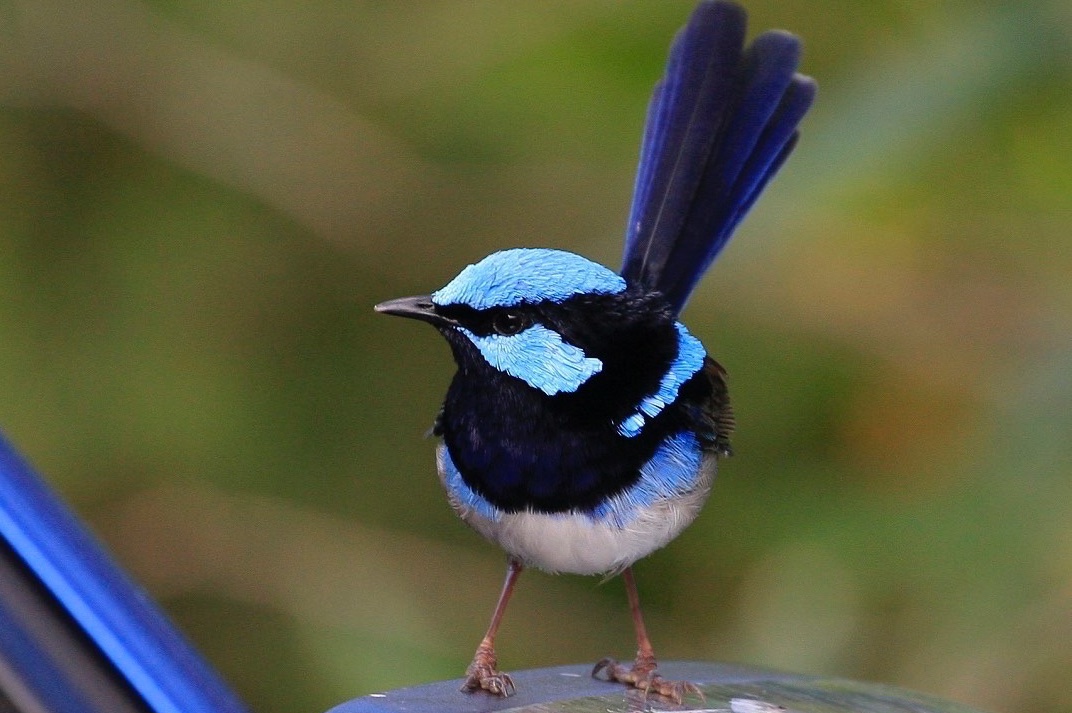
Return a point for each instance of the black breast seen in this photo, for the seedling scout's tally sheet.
(522, 449)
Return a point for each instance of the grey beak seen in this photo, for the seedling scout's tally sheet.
(419, 307)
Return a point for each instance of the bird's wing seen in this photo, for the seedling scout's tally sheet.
(720, 124)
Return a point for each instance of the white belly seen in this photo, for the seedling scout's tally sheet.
(580, 543)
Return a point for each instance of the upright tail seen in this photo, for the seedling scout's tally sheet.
(720, 124)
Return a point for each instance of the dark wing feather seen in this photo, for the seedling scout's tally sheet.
(720, 124)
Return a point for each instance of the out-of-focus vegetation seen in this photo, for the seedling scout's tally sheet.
(200, 202)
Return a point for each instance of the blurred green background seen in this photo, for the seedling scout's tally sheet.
(200, 201)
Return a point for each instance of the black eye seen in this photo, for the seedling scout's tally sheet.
(509, 323)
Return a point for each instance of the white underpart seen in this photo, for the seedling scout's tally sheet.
(575, 543)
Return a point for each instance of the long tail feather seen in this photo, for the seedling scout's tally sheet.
(720, 124)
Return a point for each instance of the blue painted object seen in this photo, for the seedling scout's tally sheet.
(76, 634)
(726, 689)
(582, 428)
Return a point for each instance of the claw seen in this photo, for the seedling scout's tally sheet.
(603, 663)
(641, 675)
(485, 678)
(483, 675)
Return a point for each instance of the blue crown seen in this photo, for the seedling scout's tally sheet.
(527, 275)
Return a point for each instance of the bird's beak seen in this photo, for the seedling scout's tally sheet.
(420, 307)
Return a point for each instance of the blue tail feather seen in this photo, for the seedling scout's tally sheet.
(683, 125)
(719, 126)
(778, 140)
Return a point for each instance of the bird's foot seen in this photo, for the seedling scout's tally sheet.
(642, 676)
(482, 674)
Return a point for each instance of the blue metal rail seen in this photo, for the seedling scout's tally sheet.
(76, 634)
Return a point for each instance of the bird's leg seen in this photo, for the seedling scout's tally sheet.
(642, 674)
(482, 672)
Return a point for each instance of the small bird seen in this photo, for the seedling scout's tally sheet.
(582, 428)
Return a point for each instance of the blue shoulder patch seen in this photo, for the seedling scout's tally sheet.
(673, 470)
(512, 277)
(539, 357)
(689, 360)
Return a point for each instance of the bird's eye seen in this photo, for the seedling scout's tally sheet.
(508, 323)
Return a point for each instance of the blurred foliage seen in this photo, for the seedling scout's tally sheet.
(200, 201)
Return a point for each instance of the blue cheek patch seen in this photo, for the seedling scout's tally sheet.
(673, 470)
(539, 357)
(689, 360)
(527, 275)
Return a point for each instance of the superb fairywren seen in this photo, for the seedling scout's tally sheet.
(582, 428)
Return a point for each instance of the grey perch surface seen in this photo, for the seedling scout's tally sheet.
(728, 689)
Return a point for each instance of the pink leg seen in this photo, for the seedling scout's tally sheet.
(642, 674)
(482, 672)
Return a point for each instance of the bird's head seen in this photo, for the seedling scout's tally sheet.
(551, 319)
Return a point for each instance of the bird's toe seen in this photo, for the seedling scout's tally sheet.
(485, 677)
(642, 676)
(674, 690)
